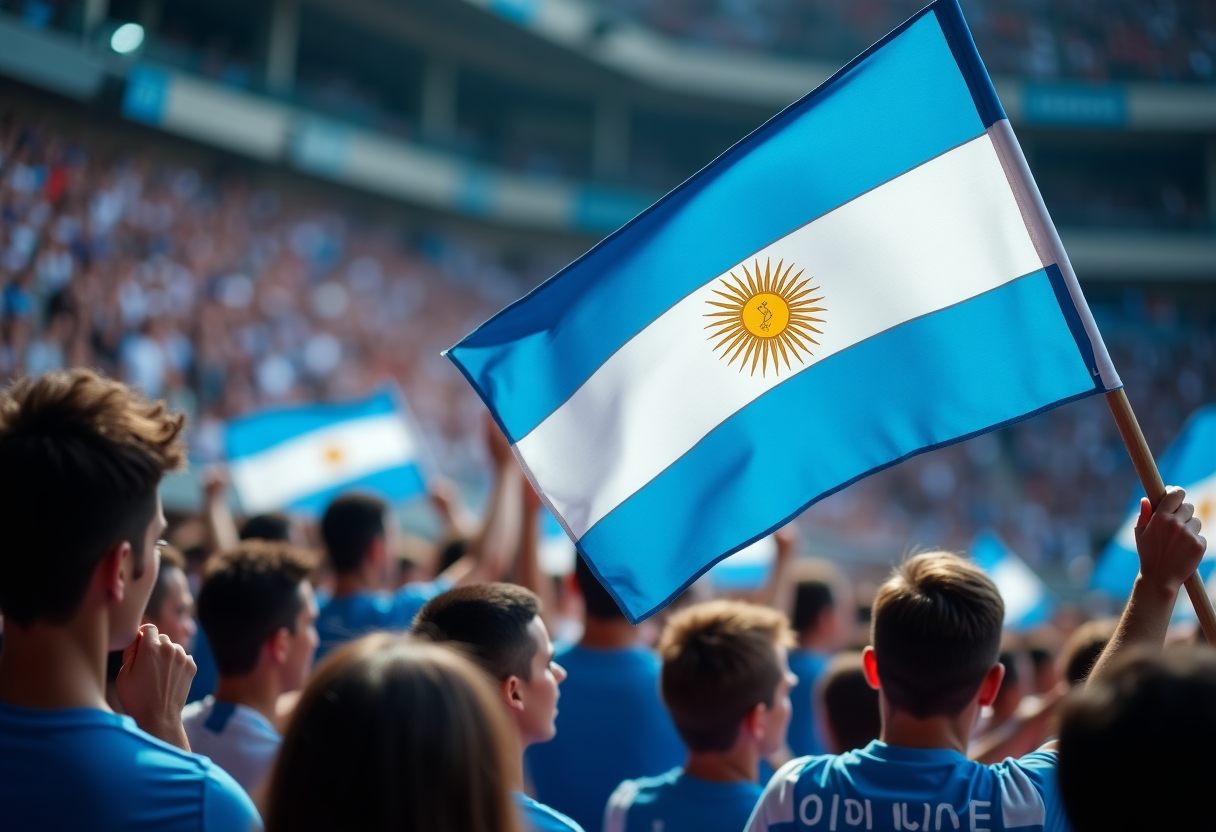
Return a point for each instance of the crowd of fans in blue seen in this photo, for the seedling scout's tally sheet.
(474, 692)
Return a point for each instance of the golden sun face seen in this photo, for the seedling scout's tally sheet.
(765, 318)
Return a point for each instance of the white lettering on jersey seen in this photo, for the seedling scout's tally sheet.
(946, 807)
(974, 811)
(806, 801)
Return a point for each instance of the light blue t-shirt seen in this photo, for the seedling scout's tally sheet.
(342, 619)
(83, 768)
(885, 787)
(540, 818)
(805, 735)
(611, 726)
(677, 802)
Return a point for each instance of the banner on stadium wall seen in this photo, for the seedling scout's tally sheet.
(1191, 463)
(301, 457)
(869, 275)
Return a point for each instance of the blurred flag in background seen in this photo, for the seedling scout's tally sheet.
(1028, 603)
(300, 458)
(1191, 463)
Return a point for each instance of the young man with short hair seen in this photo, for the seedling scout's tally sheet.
(82, 457)
(359, 538)
(612, 724)
(171, 604)
(935, 641)
(258, 611)
(499, 626)
(817, 628)
(726, 681)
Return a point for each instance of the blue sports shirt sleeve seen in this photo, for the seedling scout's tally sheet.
(226, 807)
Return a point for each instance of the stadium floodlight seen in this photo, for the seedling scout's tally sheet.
(127, 38)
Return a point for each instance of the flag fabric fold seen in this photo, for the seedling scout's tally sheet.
(301, 457)
(1028, 601)
(869, 275)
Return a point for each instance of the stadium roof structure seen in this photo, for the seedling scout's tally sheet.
(574, 49)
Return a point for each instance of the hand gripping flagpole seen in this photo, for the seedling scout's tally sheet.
(1154, 488)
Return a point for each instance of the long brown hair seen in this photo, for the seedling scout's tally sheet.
(393, 734)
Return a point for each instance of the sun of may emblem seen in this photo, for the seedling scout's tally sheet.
(764, 318)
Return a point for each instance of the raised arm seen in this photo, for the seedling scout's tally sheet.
(528, 573)
(221, 528)
(490, 552)
(1170, 548)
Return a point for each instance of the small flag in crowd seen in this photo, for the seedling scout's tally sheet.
(1191, 463)
(300, 458)
(1028, 602)
(747, 569)
(869, 275)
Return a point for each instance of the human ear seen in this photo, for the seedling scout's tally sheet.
(991, 685)
(279, 645)
(753, 720)
(509, 689)
(869, 664)
(110, 572)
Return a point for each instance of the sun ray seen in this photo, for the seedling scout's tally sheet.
(766, 316)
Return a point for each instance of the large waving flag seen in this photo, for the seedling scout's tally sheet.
(300, 458)
(1190, 462)
(869, 275)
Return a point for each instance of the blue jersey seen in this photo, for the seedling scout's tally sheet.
(676, 802)
(83, 768)
(611, 726)
(805, 735)
(540, 818)
(343, 619)
(886, 787)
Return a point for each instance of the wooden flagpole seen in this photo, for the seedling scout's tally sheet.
(1154, 488)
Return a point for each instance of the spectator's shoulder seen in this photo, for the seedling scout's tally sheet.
(778, 803)
(544, 818)
(226, 806)
(1028, 791)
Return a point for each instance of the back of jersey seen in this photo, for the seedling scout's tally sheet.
(911, 790)
(611, 726)
(81, 768)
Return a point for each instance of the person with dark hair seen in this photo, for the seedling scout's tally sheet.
(726, 681)
(1083, 648)
(258, 611)
(171, 605)
(80, 518)
(933, 657)
(849, 706)
(816, 625)
(1147, 706)
(499, 627)
(359, 538)
(275, 525)
(612, 725)
(391, 734)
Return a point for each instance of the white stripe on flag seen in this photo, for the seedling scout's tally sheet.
(938, 235)
(321, 459)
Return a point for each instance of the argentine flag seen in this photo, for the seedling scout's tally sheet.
(1028, 602)
(869, 275)
(300, 458)
(1190, 462)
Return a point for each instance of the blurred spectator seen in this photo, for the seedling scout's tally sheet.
(171, 604)
(850, 705)
(391, 734)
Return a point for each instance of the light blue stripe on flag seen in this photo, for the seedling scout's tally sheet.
(880, 276)
(301, 457)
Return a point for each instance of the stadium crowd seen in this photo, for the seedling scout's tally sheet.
(478, 694)
(1113, 40)
(223, 298)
